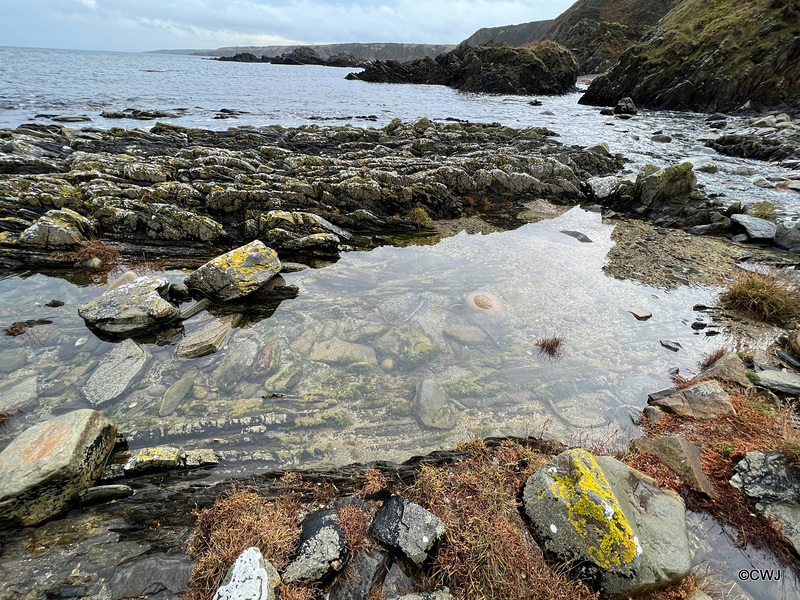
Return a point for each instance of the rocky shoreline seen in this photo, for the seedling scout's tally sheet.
(280, 195)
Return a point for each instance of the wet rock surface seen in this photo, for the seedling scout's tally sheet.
(773, 485)
(115, 373)
(47, 465)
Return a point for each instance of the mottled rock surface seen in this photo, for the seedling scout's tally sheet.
(407, 527)
(44, 468)
(116, 371)
(432, 406)
(323, 549)
(251, 577)
(704, 400)
(237, 273)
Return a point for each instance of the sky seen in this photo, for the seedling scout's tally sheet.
(134, 25)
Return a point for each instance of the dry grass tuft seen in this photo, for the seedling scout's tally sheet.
(711, 357)
(97, 248)
(354, 523)
(375, 482)
(487, 551)
(770, 297)
(236, 522)
(552, 346)
(147, 266)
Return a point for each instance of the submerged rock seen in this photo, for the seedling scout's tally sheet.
(44, 468)
(116, 371)
(432, 407)
(336, 351)
(237, 273)
(407, 345)
(208, 339)
(131, 309)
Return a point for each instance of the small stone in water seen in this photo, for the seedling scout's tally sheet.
(674, 346)
(640, 313)
(54, 303)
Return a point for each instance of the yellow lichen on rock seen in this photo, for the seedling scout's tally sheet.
(594, 511)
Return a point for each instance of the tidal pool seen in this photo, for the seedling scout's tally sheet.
(331, 376)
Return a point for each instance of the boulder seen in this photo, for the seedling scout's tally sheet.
(729, 367)
(116, 371)
(131, 309)
(773, 485)
(57, 229)
(237, 273)
(756, 229)
(787, 236)
(365, 571)
(44, 468)
(155, 576)
(780, 381)
(622, 532)
(250, 578)
(405, 526)
(704, 400)
(625, 106)
(432, 407)
(323, 549)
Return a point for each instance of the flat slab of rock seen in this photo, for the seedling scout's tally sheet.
(641, 314)
(704, 400)
(149, 577)
(757, 229)
(681, 456)
(729, 367)
(115, 372)
(251, 577)
(469, 335)
(44, 468)
(208, 339)
(406, 526)
(780, 381)
(323, 549)
(237, 273)
(336, 352)
(18, 393)
(432, 406)
(133, 308)
(175, 394)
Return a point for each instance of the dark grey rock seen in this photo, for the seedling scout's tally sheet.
(103, 493)
(365, 570)
(250, 578)
(405, 526)
(773, 485)
(780, 381)
(787, 236)
(581, 237)
(323, 549)
(442, 593)
(704, 400)
(151, 577)
(757, 229)
(625, 106)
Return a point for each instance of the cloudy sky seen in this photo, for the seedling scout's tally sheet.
(156, 24)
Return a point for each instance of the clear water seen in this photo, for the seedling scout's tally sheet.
(313, 407)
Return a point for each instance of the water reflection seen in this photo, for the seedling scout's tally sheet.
(331, 376)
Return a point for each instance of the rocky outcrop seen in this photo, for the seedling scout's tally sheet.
(706, 56)
(46, 466)
(302, 55)
(495, 68)
(598, 31)
(57, 229)
(622, 532)
(374, 51)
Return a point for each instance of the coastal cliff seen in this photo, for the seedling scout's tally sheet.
(711, 56)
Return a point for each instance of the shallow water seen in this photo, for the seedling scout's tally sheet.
(276, 395)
